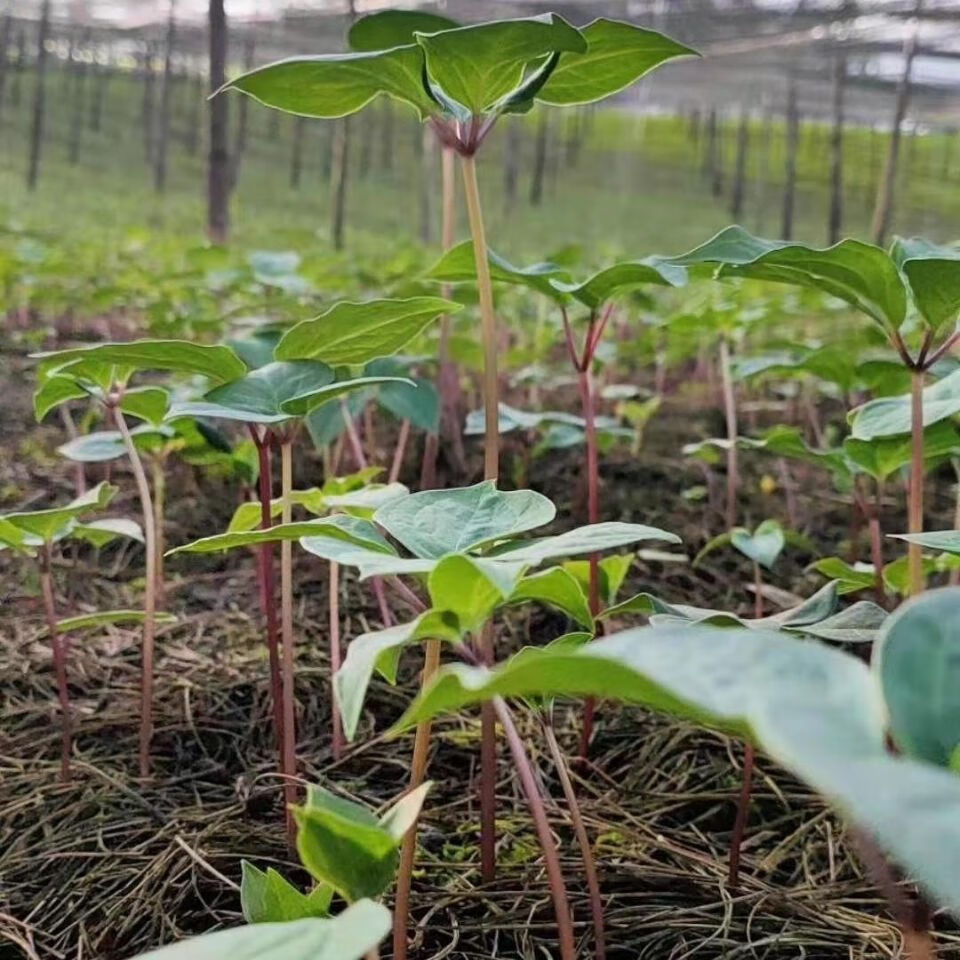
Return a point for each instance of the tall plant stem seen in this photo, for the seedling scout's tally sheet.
(399, 451)
(580, 829)
(286, 628)
(58, 645)
(159, 478)
(491, 470)
(740, 824)
(876, 545)
(149, 592)
(267, 587)
(488, 320)
(408, 853)
(757, 591)
(730, 412)
(915, 551)
(551, 861)
(334, 608)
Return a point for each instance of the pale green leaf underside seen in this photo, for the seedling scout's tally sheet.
(891, 416)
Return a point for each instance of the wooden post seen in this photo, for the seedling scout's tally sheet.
(740, 168)
(835, 224)
(340, 166)
(539, 159)
(21, 63)
(296, 157)
(218, 166)
(39, 98)
(101, 78)
(883, 206)
(790, 170)
(79, 71)
(146, 105)
(163, 119)
(243, 104)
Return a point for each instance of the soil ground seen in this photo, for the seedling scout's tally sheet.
(107, 866)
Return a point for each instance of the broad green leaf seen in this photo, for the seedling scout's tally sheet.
(458, 265)
(343, 845)
(146, 403)
(612, 572)
(617, 55)
(54, 391)
(855, 272)
(849, 577)
(355, 333)
(622, 277)
(883, 456)
(102, 532)
(420, 403)
(511, 418)
(218, 363)
(394, 28)
(592, 538)
(269, 898)
(104, 445)
(380, 651)
(918, 662)
(470, 589)
(946, 540)
(558, 588)
(370, 562)
(890, 416)
(268, 390)
(348, 936)
(933, 273)
(351, 530)
(433, 523)
(303, 405)
(479, 65)
(336, 85)
(763, 546)
(256, 350)
(858, 623)
(45, 524)
(109, 618)
(217, 411)
(12, 537)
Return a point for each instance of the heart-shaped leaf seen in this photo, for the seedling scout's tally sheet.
(891, 416)
(433, 523)
(266, 390)
(763, 546)
(933, 273)
(348, 936)
(558, 588)
(394, 28)
(470, 588)
(356, 333)
(336, 85)
(591, 538)
(621, 277)
(617, 55)
(918, 661)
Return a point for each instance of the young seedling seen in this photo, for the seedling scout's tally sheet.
(466, 543)
(35, 534)
(103, 371)
(879, 284)
(461, 81)
(818, 712)
(598, 294)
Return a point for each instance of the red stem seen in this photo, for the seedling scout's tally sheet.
(551, 861)
(488, 772)
(740, 824)
(583, 840)
(58, 645)
(399, 451)
(334, 608)
(915, 551)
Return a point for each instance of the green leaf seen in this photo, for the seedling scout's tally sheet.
(46, 524)
(146, 403)
(859, 623)
(108, 618)
(612, 572)
(481, 64)
(558, 588)
(402, 816)
(918, 662)
(13, 538)
(617, 55)
(348, 936)
(370, 562)
(591, 538)
(470, 588)
(102, 532)
(394, 28)
(104, 445)
(268, 390)
(933, 273)
(458, 265)
(380, 651)
(351, 530)
(53, 391)
(356, 333)
(763, 546)
(947, 541)
(420, 403)
(850, 578)
(343, 845)
(303, 405)
(269, 898)
(857, 273)
(336, 85)
(621, 277)
(433, 523)
(218, 363)
(890, 416)
(883, 456)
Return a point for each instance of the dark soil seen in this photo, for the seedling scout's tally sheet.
(108, 866)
